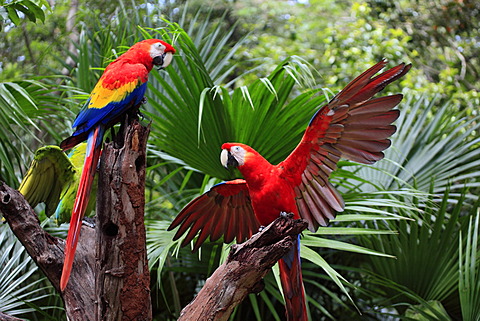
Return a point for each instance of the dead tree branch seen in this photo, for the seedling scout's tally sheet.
(48, 252)
(6, 317)
(243, 271)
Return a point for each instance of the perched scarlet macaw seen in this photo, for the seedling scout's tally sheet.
(120, 89)
(353, 125)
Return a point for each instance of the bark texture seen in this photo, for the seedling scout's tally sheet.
(243, 271)
(123, 279)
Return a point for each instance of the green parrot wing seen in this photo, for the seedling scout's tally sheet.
(50, 172)
(63, 213)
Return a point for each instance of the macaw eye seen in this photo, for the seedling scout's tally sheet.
(236, 148)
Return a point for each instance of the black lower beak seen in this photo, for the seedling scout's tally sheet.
(159, 60)
(231, 162)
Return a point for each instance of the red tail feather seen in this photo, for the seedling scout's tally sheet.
(292, 284)
(81, 201)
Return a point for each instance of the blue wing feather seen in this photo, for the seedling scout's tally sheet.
(88, 118)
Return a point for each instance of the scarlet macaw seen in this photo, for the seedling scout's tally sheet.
(353, 125)
(120, 89)
(53, 179)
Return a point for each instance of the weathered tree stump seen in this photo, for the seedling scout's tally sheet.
(123, 278)
(110, 278)
(243, 271)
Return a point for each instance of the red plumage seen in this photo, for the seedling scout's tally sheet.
(353, 125)
(292, 284)
(120, 89)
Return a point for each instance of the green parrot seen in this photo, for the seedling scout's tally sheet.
(53, 179)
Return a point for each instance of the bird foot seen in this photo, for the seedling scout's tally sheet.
(286, 215)
(141, 115)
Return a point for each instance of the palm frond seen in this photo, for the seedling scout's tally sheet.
(469, 270)
(19, 285)
(426, 252)
(188, 96)
(24, 106)
(440, 146)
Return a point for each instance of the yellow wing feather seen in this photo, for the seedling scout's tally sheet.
(102, 96)
(46, 178)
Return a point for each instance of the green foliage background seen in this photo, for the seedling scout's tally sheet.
(255, 71)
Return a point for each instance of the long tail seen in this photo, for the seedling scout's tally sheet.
(292, 284)
(94, 144)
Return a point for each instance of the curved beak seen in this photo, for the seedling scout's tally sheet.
(163, 61)
(228, 159)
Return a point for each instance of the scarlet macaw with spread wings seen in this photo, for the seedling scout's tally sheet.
(353, 125)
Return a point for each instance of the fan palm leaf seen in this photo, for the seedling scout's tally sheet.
(469, 270)
(438, 146)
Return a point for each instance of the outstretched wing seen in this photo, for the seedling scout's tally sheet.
(49, 173)
(224, 210)
(353, 125)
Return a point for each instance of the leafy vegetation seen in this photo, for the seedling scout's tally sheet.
(13, 10)
(406, 244)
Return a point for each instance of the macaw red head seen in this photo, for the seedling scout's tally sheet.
(250, 163)
(236, 154)
(152, 52)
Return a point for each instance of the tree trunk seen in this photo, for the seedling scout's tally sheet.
(110, 278)
(123, 278)
(72, 31)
